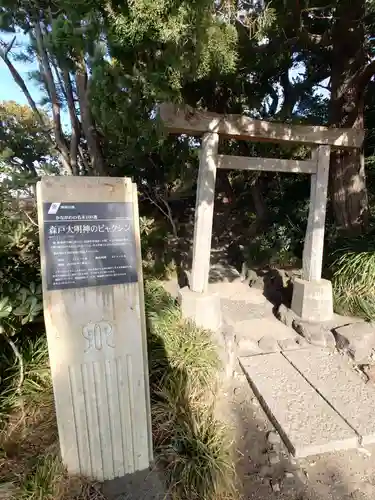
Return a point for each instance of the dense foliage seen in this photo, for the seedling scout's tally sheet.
(103, 67)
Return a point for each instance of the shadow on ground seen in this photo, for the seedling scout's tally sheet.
(264, 475)
(264, 470)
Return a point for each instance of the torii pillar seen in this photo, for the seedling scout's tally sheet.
(312, 295)
(195, 302)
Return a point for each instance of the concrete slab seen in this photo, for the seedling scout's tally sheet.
(341, 386)
(234, 311)
(237, 291)
(289, 344)
(307, 424)
(247, 347)
(257, 328)
(269, 344)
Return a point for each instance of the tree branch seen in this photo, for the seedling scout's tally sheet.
(30, 219)
(9, 48)
(20, 82)
(85, 163)
(158, 204)
(59, 78)
(76, 127)
(51, 89)
(88, 126)
(272, 107)
(367, 73)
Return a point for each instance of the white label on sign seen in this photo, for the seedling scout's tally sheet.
(54, 208)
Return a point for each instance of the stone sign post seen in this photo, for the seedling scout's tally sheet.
(95, 321)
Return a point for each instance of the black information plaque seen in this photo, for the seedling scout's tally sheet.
(89, 244)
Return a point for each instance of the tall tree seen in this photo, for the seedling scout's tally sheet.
(333, 42)
(64, 75)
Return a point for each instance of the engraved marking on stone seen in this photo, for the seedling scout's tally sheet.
(98, 335)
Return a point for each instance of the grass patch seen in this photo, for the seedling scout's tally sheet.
(30, 465)
(45, 480)
(354, 284)
(177, 346)
(192, 447)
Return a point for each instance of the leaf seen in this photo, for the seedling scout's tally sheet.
(21, 310)
(16, 287)
(25, 320)
(24, 293)
(5, 307)
(32, 301)
(35, 309)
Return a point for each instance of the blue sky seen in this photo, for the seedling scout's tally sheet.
(9, 90)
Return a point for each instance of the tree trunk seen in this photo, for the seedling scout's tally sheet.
(89, 130)
(347, 176)
(49, 82)
(348, 190)
(260, 208)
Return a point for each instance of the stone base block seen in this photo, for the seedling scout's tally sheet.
(141, 485)
(202, 308)
(313, 300)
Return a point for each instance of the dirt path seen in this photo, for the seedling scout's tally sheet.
(267, 472)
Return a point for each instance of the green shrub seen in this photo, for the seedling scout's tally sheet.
(20, 280)
(175, 345)
(354, 284)
(156, 249)
(198, 458)
(274, 246)
(191, 445)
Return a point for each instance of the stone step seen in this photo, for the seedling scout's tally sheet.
(238, 291)
(257, 328)
(263, 335)
(305, 421)
(344, 389)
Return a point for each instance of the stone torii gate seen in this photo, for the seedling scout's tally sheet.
(312, 296)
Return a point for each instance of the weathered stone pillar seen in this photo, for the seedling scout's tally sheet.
(312, 296)
(204, 210)
(314, 241)
(196, 304)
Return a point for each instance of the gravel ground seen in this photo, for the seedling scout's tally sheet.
(266, 471)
